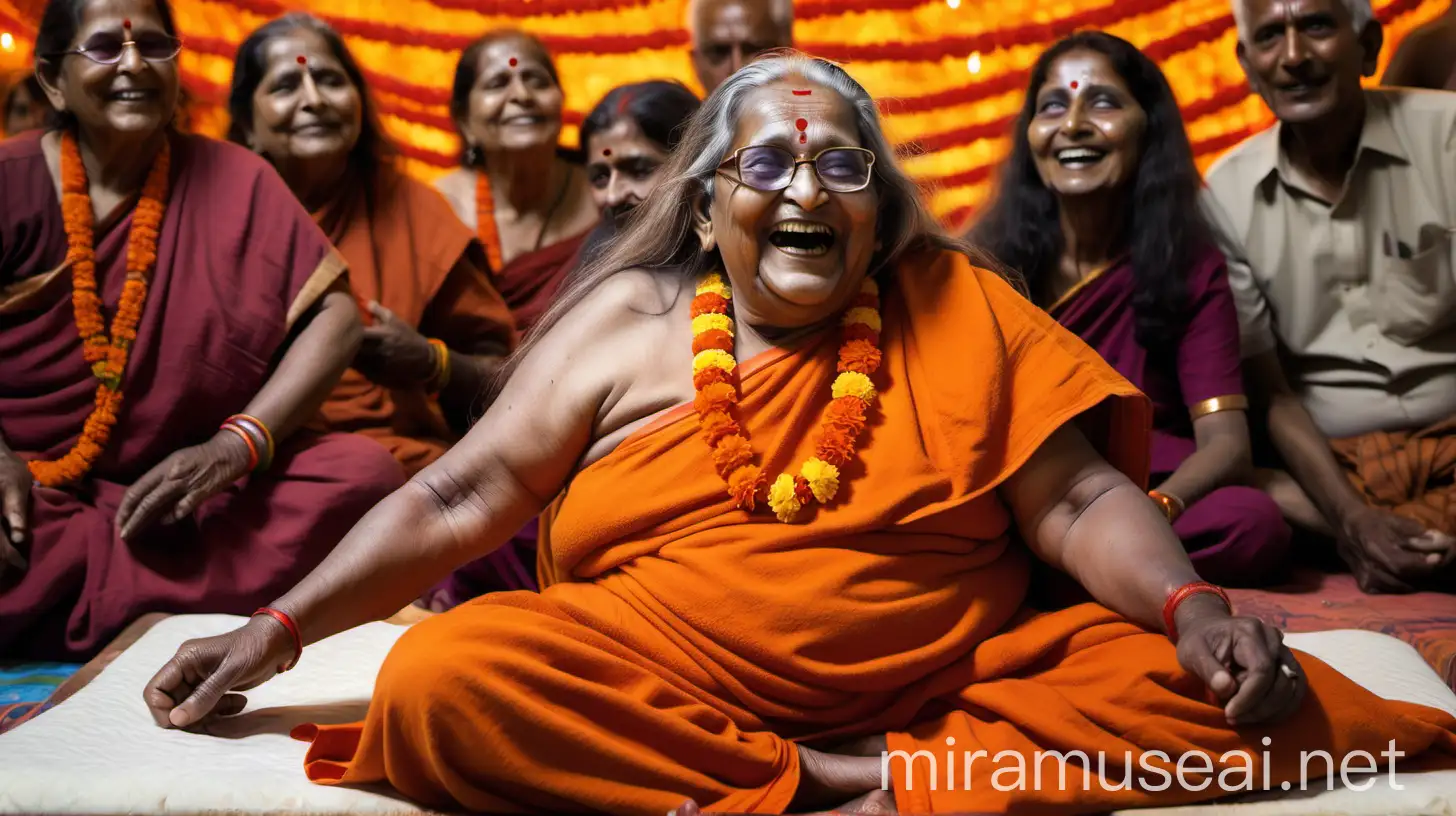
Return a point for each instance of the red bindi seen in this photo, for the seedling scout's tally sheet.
(126, 24)
(798, 92)
(1074, 84)
(801, 124)
(302, 60)
(513, 62)
(607, 152)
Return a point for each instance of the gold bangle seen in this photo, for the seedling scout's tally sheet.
(1171, 505)
(1212, 405)
(442, 366)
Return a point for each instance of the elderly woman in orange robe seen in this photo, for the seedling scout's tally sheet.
(438, 327)
(809, 453)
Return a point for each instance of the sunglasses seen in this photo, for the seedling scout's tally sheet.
(769, 168)
(106, 49)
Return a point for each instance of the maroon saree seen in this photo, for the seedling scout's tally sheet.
(239, 262)
(1235, 534)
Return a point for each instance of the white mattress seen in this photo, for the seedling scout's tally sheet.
(100, 753)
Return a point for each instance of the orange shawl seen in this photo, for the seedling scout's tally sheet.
(407, 250)
(685, 644)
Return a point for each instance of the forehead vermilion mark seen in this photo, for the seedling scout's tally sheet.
(514, 62)
(607, 151)
(801, 124)
(126, 24)
(1074, 84)
(302, 60)
(798, 92)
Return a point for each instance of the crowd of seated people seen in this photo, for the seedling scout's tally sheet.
(802, 453)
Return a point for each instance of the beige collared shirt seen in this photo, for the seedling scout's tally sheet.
(1360, 292)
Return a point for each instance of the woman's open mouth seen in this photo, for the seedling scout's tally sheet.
(805, 238)
(1077, 158)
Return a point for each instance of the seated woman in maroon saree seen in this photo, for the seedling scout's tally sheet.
(1098, 210)
(151, 505)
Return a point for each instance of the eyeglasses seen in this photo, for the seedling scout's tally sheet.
(107, 49)
(769, 168)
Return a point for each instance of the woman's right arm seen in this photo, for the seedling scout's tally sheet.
(515, 460)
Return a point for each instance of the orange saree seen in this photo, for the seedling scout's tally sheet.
(682, 646)
(407, 251)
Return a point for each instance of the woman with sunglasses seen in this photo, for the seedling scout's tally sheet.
(806, 452)
(170, 316)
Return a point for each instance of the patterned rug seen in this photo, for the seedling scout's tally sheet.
(25, 689)
(1313, 601)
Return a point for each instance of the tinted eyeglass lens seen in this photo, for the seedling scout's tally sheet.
(765, 168)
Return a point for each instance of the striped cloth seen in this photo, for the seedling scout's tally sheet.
(1412, 473)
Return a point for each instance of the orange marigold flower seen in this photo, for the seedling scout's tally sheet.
(857, 355)
(709, 303)
(718, 425)
(836, 447)
(865, 301)
(731, 454)
(708, 376)
(859, 331)
(746, 484)
(847, 413)
(713, 339)
(716, 397)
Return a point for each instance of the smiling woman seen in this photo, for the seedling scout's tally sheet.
(158, 359)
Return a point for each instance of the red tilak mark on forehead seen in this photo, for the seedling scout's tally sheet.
(798, 92)
(302, 60)
(513, 62)
(607, 152)
(126, 24)
(801, 124)
(1074, 84)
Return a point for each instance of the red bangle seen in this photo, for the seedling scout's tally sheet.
(1183, 593)
(292, 630)
(247, 440)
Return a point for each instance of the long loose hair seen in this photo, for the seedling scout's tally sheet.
(1166, 230)
(659, 232)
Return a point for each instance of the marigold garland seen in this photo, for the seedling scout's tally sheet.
(485, 226)
(106, 355)
(716, 399)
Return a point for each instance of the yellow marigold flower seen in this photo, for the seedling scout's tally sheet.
(823, 479)
(853, 384)
(782, 499)
(869, 287)
(864, 315)
(714, 283)
(708, 322)
(715, 358)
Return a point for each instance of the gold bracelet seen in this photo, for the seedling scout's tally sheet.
(1171, 505)
(1212, 405)
(441, 357)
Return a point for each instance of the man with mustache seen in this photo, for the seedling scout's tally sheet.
(1343, 213)
(729, 34)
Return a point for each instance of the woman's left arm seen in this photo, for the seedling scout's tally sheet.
(324, 341)
(1210, 376)
(1081, 515)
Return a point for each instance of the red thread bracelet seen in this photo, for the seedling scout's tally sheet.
(1183, 593)
(292, 630)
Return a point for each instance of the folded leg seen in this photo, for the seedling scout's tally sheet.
(1236, 536)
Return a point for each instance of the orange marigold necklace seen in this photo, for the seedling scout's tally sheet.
(717, 397)
(106, 355)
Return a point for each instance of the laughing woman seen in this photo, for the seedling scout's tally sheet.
(530, 206)
(1098, 209)
(438, 327)
(157, 356)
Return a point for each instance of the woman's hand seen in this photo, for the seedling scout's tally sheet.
(1243, 660)
(196, 684)
(393, 354)
(15, 484)
(179, 484)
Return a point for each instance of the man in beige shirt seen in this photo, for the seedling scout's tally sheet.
(729, 34)
(1338, 223)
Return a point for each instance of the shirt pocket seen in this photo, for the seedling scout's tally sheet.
(1416, 296)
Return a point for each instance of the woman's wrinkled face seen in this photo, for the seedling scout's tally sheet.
(305, 107)
(1087, 133)
(514, 104)
(795, 256)
(622, 166)
(137, 94)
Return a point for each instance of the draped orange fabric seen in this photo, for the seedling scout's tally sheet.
(1412, 473)
(684, 645)
(407, 250)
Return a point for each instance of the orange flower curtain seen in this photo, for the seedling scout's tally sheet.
(949, 73)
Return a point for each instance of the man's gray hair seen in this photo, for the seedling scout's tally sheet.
(781, 11)
(1361, 13)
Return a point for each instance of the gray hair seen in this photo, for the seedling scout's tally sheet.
(1361, 13)
(659, 233)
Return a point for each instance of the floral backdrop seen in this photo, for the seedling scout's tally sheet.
(949, 74)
